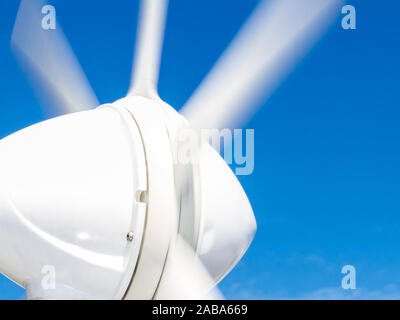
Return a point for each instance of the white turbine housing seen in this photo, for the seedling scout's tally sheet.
(68, 192)
(93, 196)
(227, 221)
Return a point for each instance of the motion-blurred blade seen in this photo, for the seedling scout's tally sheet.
(148, 48)
(49, 61)
(277, 34)
(184, 277)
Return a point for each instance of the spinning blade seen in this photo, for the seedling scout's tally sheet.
(148, 48)
(275, 37)
(46, 56)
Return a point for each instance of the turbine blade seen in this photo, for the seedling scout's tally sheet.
(274, 38)
(148, 48)
(184, 277)
(49, 61)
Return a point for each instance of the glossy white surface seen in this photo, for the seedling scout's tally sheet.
(162, 211)
(68, 199)
(228, 224)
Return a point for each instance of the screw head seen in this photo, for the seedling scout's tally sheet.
(129, 236)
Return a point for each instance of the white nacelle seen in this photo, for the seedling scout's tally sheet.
(68, 191)
(72, 188)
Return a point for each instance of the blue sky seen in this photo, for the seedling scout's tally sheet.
(325, 189)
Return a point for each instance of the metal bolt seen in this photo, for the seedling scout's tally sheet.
(129, 236)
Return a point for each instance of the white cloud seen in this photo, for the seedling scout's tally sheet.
(389, 292)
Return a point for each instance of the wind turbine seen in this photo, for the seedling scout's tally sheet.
(98, 194)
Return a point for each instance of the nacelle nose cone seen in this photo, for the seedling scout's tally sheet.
(67, 200)
(228, 224)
